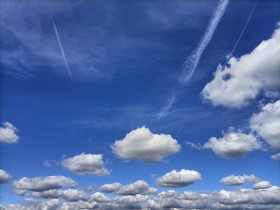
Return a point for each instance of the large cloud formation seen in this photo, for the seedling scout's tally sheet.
(43, 183)
(4, 176)
(267, 124)
(244, 78)
(8, 133)
(141, 144)
(86, 164)
(233, 145)
(239, 180)
(178, 178)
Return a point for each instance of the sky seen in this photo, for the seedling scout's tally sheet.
(140, 104)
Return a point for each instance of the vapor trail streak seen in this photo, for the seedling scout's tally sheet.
(61, 49)
(192, 61)
(244, 28)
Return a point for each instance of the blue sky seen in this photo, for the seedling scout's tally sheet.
(83, 78)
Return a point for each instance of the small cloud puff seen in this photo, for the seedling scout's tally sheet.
(8, 133)
(86, 164)
(141, 144)
(233, 145)
(178, 178)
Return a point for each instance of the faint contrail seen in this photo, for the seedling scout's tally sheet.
(192, 61)
(61, 49)
(242, 32)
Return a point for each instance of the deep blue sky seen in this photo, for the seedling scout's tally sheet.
(126, 58)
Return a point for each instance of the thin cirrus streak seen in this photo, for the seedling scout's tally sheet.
(192, 61)
(61, 49)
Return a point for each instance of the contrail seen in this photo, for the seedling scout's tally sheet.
(243, 30)
(192, 61)
(61, 49)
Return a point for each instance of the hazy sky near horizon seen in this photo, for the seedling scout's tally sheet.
(140, 104)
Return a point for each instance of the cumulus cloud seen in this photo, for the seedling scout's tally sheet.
(276, 156)
(138, 187)
(8, 133)
(109, 188)
(262, 185)
(267, 124)
(233, 145)
(241, 81)
(43, 183)
(178, 178)
(239, 180)
(86, 164)
(69, 195)
(141, 144)
(4, 176)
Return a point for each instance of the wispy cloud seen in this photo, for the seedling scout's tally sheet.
(192, 61)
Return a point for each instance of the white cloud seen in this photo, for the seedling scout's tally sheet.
(233, 145)
(138, 187)
(262, 185)
(239, 180)
(43, 183)
(69, 195)
(4, 176)
(235, 86)
(141, 144)
(86, 164)
(8, 133)
(178, 178)
(108, 188)
(267, 124)
(276, 156)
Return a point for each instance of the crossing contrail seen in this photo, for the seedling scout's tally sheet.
(61, 49)
(192, 61)
(243, 30)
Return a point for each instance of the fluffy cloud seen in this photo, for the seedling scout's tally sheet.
(138, 187)
(109, 188)
(178, 178)
(262, 185)
(239, 180)
(244, 78)
(8, 133)
(267, 124)
(4, 176)
(69, 195)
(43, 183)
(86, 164)
(141, 144)
(233, 145)
(276, 156)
